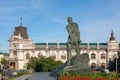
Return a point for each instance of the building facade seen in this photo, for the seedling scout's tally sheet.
(22, 49)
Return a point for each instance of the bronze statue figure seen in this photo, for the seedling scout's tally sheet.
(73, 39)
(79, 62)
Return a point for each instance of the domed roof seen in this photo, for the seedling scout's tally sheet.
(22, 31)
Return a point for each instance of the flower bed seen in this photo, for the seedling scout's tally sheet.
(84, 78)
(90, 76)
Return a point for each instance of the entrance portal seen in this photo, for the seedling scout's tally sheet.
(12, 65)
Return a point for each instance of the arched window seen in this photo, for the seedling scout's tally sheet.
(93, 66)
(103, 65)
(63, 56)
(27, 56)
(102, 56)
(93, 56)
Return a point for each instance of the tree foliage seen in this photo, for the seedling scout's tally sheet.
(32, 63)
(4, 61)
(43, 64)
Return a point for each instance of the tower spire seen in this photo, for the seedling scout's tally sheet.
(112, 36)
(21, 21)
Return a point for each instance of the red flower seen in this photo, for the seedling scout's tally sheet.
(101, 78)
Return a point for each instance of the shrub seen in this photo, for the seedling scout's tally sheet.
(11, 79)
(21, 73)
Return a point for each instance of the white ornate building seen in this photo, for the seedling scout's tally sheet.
(22, 48)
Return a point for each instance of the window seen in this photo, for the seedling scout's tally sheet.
(103, 65)
(93, 66)
(63, 57)
(27, 56)
(93, 56)
(102, 56)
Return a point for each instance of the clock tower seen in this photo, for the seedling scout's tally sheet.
(19, 42)
(112, 48)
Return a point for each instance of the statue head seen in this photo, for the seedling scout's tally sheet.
(69, 19)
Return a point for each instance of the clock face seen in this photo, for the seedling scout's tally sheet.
(112, 46)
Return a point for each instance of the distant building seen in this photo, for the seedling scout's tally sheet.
(22, 49)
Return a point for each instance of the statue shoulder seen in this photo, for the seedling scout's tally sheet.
(68, 26)
(76, 24)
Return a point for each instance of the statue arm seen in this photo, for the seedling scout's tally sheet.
(77, 32)
(69, 31)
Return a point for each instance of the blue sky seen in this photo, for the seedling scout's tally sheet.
(46, 20)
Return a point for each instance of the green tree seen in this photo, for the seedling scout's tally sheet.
(43, 64)
(4, 61)
(32, 63)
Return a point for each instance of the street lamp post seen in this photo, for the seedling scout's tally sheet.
(116, 63)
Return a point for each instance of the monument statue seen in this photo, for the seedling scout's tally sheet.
(74, 63)
(73, 39)
(78, 62)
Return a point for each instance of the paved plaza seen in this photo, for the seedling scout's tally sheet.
(41, 76)
(37, 76)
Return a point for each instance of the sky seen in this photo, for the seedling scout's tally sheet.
(46, 20)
